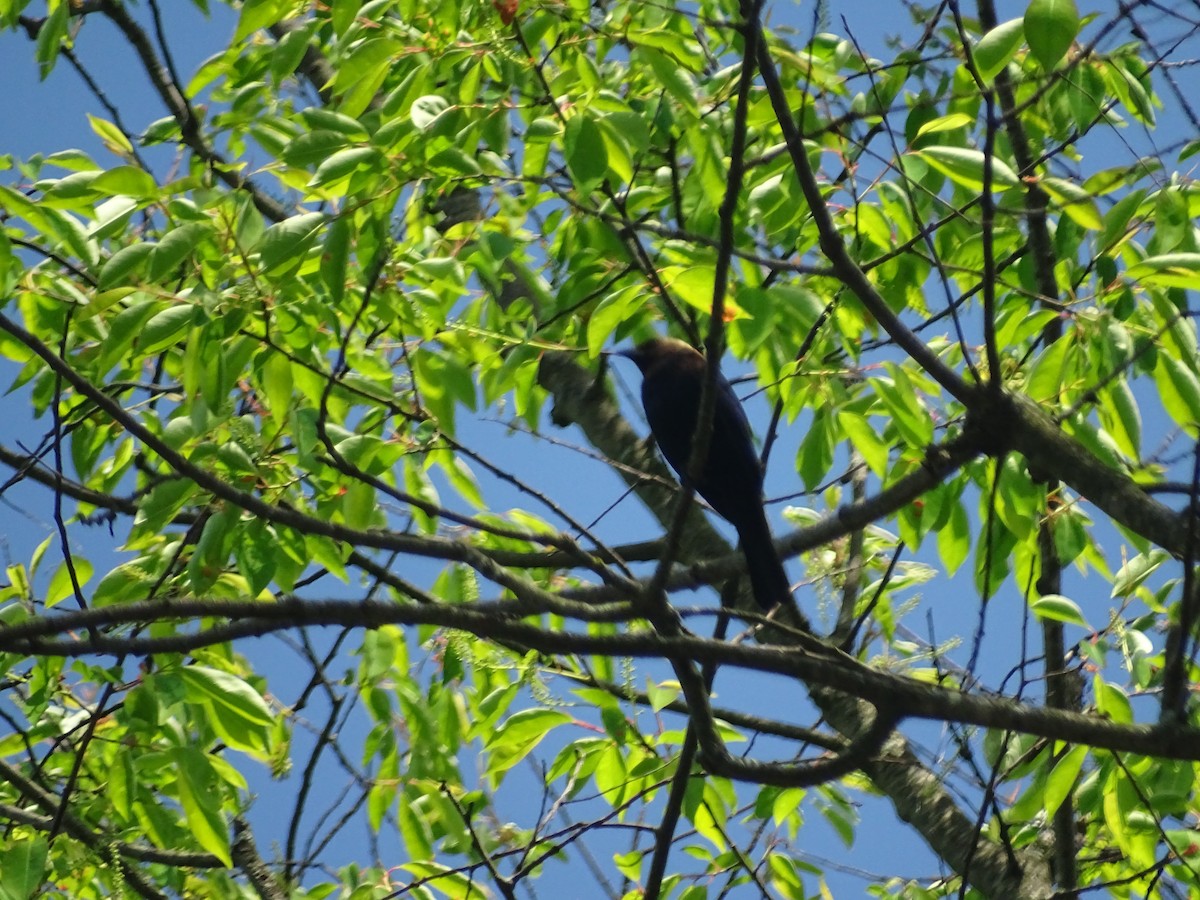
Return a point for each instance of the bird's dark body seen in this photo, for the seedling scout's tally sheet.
(730, 479)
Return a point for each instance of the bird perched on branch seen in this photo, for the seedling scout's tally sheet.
(730, 478)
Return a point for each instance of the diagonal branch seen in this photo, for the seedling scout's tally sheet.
(179, 107)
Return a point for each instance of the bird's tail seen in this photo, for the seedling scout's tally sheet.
(768, 580)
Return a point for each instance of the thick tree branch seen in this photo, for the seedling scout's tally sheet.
(907, 698)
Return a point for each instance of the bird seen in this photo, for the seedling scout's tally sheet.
(731, 476)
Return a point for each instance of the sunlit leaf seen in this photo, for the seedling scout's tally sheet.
(1050, 27)
(965, 167)
(997, 48)
(196, 785)
(228, 691)
(1056, 608)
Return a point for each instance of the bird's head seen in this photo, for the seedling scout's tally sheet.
(649, 355)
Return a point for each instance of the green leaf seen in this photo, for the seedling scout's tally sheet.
(289, 52)
(126, 582)
(1061, 780)
(335, 258)
(360, 505)
(1172, 220)
(237, 460)
(585, 151)
(160, 131)
(23, 865)
(125, 262)
(1112, 702)
(538, 138)
(163, 503)
(630, 864)
(1180, 391)
(1190, 149)
(284, 244)
(197, 786)
(257, 14)
(816, 450)
(61, 587)
(1051, 370)
(360, 74)
(708, 821)
(513, 740)
(693, 285)
(166, 328)
(74, 160)
(453, 161)
(1121, 417)
(129, 181)
(996, 49)
(1136, 571)
(613, 310)
(668, 73)
(662, 694)
(255, 554)
(1021, 326)
(954, 538)
(69, 191)
(342, 14)
(617, 148)
(176, 246)
(451, 882)
(905, 408)
(70, 232)
(1125, 79)
(866, 441)
(227, 691)
(313, 148)
(944, 123)
(318, 118)
(463, 480)
(51, 35)
(344, 163)
(1075, 202)
(122, 786)
(1057, 608)
(1050, 27)
(416, 832)
(1168, 270)
(212, 550)
(113, 137)
(964, 167)
(1180, 338)
(277, 384)
(426, 110)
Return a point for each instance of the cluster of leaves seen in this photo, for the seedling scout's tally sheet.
(268, 361)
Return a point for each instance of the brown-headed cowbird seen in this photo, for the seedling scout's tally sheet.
(731, 477)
